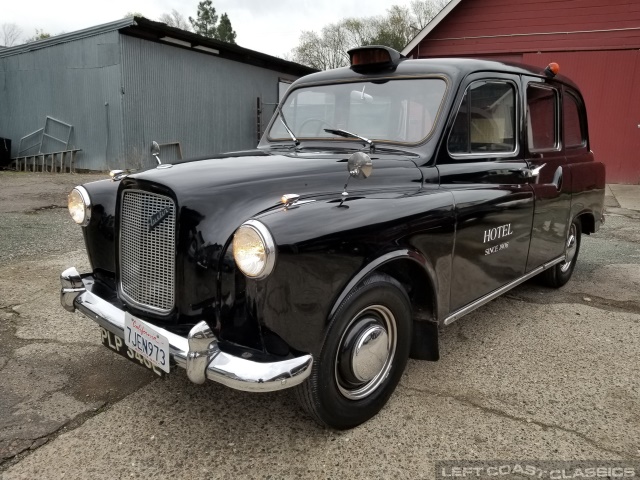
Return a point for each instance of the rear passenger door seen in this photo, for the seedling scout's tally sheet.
(545, 155)
(482, 163)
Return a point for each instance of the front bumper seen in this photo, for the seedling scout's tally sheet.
(199, 353)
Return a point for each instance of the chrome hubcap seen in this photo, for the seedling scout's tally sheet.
(570, 249)
(370, 353)
(366, 352)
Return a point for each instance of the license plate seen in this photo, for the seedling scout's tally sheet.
(115, 343)
(147, 341)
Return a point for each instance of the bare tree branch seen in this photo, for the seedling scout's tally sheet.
(397, 28)
(10, 34)
(175, 19)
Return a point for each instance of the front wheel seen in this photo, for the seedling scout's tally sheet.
(363, 356)
(560, 274)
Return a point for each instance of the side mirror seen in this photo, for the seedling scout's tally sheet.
(155, 151)
(360, 165)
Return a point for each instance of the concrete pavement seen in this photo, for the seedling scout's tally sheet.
(626, 196)
(535, 374)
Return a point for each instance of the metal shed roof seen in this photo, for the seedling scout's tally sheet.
(160, 32)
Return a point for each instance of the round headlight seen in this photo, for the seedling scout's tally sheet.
(254, 249)
(79, 206)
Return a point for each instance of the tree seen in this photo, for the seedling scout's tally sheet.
(40, 35)
(423, 12)
(132, 14)
(225, 31)
(206, 23)
(395, 29)
(10, 34)
(175, 19)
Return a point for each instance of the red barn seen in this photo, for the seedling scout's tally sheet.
(596, 44)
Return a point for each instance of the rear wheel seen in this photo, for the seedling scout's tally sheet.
(560, 274)
(363, 357)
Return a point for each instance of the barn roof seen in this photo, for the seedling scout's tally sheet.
(160, 32)
(435, 21)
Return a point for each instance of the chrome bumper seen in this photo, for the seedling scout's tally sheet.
(199, 353)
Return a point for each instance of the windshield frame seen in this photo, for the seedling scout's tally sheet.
(345, 81)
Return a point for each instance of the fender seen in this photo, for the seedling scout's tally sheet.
(425, 340)
(325, 249)
(587, 191)
(404, 253)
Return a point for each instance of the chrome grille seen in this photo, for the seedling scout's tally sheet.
(147, 251)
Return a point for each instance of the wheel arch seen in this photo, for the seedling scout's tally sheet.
(418, 278)
(587, 221)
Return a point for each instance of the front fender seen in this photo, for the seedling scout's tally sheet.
(325, 249)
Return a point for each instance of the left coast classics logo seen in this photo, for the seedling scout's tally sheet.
(157, 218)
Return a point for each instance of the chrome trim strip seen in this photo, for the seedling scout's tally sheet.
(496, 293)
(200, 354)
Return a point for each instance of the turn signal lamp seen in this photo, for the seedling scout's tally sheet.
(552, 70)
(374, 57)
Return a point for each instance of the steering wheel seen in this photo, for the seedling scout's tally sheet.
(320, 122)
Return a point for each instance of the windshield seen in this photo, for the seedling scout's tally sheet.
(400, 111)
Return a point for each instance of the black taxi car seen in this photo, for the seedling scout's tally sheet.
(384, 201)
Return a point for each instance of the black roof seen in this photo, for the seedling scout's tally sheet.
(455, 68)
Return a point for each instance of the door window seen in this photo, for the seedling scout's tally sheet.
(486, 120)
(542, 118)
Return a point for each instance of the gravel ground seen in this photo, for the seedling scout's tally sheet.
(33, 214)
(536, 374)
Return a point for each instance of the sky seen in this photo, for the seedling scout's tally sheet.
(271, 27)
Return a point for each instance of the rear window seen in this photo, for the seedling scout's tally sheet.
(573, 132)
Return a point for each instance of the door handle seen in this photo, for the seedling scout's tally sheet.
(527, 172)
(534, 172)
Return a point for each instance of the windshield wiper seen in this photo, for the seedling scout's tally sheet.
(286, 127)
(344, 133)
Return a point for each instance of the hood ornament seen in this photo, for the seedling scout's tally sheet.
(289, 199)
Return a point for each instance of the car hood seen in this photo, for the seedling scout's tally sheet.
(227, 191)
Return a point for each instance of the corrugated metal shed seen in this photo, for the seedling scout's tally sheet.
(122, 85)
(596, 44)
(72, 82)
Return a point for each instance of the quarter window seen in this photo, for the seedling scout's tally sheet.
(542, 118)
(486, 119)
(573, 133)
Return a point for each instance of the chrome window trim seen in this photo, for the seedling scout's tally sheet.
(516, 126)
(581, 113)
(558, 126)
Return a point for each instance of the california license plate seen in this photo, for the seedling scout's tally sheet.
(116, 344)
(147, 341)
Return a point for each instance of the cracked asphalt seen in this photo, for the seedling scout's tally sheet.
(537, 374)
